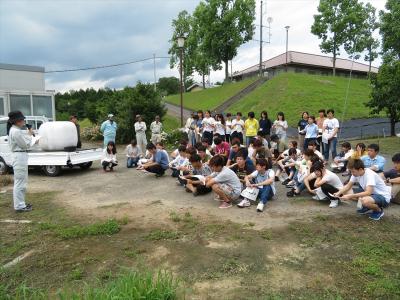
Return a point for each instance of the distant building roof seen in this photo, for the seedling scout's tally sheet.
(300, 58)
(21, 68)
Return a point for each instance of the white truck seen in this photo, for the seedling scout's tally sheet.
(51, 162)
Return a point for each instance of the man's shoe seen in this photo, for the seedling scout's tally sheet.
(25, 209)
(244, 203)
(286, 181)
(225, 205)
(363, 210)
(334, 203)
(260, 207)
(377, 215)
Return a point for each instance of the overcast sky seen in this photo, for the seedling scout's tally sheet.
(72, 34)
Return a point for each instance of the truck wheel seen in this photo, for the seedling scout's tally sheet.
(3, 167)
(52, 171)
(86, 165)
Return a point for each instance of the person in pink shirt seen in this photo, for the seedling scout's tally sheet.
(221, 147)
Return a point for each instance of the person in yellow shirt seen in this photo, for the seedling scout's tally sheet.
(251, 127)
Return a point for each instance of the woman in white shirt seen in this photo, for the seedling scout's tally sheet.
(208, 126)
(220, 125)
(238, 127)
(280, 126)
(109, 159)
(228, 127)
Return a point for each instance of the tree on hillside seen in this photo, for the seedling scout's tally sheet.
(390, 28)
(332, 24)
(182, 26)
(168, 85)
(223, 26)
(371, 44)
(385, 94)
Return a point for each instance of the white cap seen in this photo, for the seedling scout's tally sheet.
(110, 115)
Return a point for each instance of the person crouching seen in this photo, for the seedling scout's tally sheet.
(109, 159)
(159, 163)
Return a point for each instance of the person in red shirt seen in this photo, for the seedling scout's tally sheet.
(221, 147)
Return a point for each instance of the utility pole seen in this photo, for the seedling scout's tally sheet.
(231, 72)
(287, 43)
(155, 78)
(261, 37)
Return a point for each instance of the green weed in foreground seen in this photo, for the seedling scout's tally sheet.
(109, 227)
(159, 235)
(132, 285)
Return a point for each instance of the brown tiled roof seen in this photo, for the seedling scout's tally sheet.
(308, 59)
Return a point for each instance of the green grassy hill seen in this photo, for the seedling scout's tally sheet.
(294, 93)
(210, 98)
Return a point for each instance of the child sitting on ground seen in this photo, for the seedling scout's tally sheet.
(202, 152)
(264, 180)
(179, 161)
(224, 182)
(195, 182)
(159, 162)
(288, 164)
(175, 153)
(109, 159)
(242, 167)
(133, 154)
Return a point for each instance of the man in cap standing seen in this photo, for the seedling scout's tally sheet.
(109, 130)
(140, 129)
(156, 129)
(20, 140)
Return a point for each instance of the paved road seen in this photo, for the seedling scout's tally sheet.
(358, 128)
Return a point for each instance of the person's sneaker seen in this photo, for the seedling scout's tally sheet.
(260, 207)
(334, 203)
(25, 209)
(217, 198)
(286, 181)
(377, 215)
(225, 205)
(315, 197)
(363, 210)
(244, 203)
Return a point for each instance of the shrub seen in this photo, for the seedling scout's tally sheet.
(91, 134)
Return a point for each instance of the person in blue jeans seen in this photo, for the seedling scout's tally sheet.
(132, 154)
(374, 194)
(329, 134)
(263, 179)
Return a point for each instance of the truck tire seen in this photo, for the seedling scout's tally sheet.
(86, 165)
(3, 167)
(52, 171)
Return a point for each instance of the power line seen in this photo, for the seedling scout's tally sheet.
(107, 66)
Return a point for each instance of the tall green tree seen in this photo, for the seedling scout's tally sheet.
(371, 44)
(223, 26)
(385, 94)
(333, 25)
(390, 28)
(182, 27)
(168, 85)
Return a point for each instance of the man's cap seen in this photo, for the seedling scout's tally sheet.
(110, 115)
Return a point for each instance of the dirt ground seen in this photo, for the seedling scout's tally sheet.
(295, 247)
(139, 195)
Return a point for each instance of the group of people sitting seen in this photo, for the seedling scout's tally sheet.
(244, 174)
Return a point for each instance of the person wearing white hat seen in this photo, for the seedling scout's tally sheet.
(20, 141)
(109, 130)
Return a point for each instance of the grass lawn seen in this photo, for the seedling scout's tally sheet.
(325, 257)
(170, 123)
(388, 146)
(294, 93)
(210, 98)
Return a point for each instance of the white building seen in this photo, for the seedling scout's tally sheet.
(22, 88)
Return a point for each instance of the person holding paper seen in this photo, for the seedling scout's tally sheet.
(329, 135)
(20, 141)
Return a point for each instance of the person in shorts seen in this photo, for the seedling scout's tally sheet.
(224, 182)
(392, 177)
(374, 193)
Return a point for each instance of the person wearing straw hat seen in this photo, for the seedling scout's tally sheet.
(109, 130)
(20, 140)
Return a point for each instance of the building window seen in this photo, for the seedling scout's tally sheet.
(42, 106)
(21, 103)
(1, 106)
